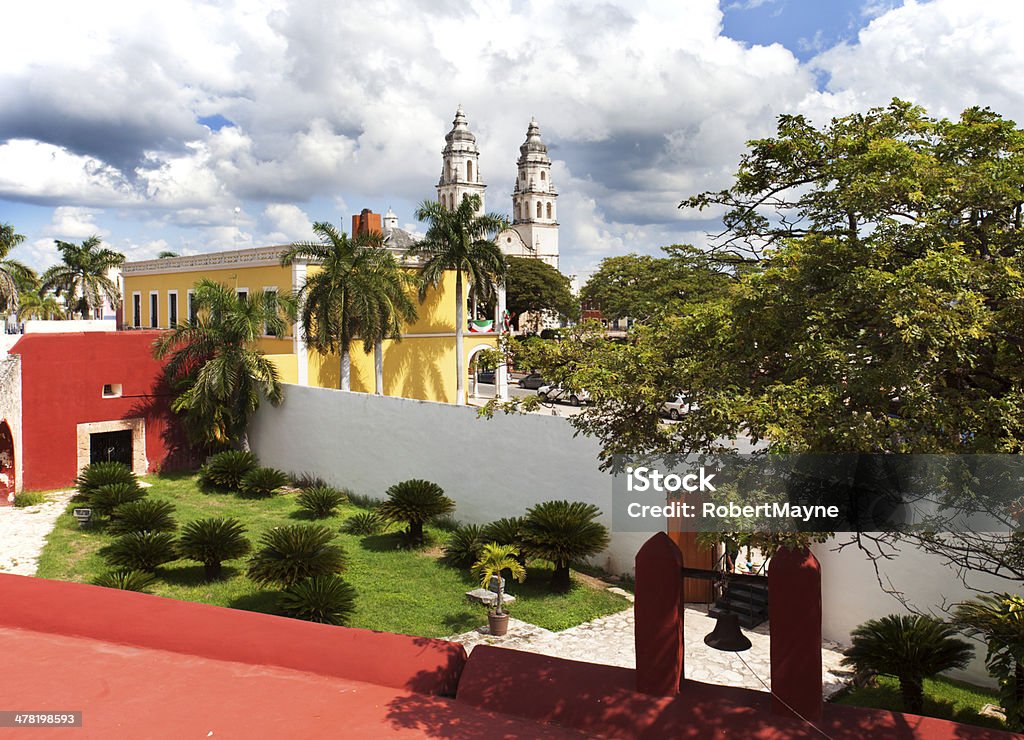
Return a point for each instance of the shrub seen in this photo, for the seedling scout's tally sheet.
(212, 541)
(563, 532)
(362, 501)
(101, 474)
(909, 647)
(108, 497)
(293, 553)
(446, 523)
(321, 501)
(463, 546)
(364, 523)
(508, 531)
(327, 599)
(415, 502)
(141, 550)
(127, 580)
(306, 480)
(998, 619)
(28, 498)
(226, 469)
(262, 482)
(145, 515)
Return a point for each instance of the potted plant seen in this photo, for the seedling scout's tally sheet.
(495, 558)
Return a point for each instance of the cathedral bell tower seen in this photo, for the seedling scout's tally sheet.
(534, 215)
(460, 168)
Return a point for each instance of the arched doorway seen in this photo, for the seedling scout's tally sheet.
(478, 386)
(7, 472)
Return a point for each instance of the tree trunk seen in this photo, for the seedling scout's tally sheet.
(346, 367)
(912, 690)
(416, 533)
(499, 606)
(560, 580)
(378, 366)
(460, 322)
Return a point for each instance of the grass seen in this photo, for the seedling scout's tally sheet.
(943, 698)
(398, 590)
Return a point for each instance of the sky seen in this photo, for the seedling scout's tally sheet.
(200, 126)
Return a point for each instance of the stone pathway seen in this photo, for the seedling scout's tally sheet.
(23, 532)
(609, 640)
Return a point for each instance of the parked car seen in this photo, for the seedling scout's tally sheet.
(533, 381)
(485, 376)
(563, 395)
(676, 407)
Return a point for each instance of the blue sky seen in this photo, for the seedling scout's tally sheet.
(193, 126)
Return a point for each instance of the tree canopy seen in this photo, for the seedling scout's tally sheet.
(81, 277)
(15, 278)
(533, 285)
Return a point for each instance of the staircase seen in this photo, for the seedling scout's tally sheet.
(745, 596)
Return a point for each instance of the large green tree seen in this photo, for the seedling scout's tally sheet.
(641, 286)
(533, 285)
(14, 276)
(82, 276)
(883, 313)
(215, 367)
(360, 290)
(37, 304)
(462, 241)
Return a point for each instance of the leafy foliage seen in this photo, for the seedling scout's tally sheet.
(28, 498)
(141, 550)
(226, 469)
(363, 523)
(12, 273)
(263, 482)
(108, 498)
(101, 473)
(463, 546)
(534, 285)
(37, 304)
(506, 531)
(215, 367)
(909, 647)
(144, 515)
(494, 560)
(415, 502)
(326, 599)
(81, 276)
(563, 532)
(127, 580)
(999, 620)
(307, 479)
(291, 554)
(321, 501)
(212, 541)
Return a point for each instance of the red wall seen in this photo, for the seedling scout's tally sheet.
(62, 379)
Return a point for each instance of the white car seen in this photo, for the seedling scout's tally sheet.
(558, 393)
(676, 407)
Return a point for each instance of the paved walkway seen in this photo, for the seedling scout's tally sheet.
(23, 532)
(609, 640)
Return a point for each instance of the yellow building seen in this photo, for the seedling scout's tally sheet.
(158, 294)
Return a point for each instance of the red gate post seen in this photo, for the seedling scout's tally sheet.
(794, 613)
(658, 616)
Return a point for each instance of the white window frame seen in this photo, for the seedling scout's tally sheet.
(137, 318)
(239, 291)
(154, 320)
(189, 303)
(270, 289)
(172, 297)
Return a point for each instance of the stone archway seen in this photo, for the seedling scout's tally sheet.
(471, 363)
(7, 470)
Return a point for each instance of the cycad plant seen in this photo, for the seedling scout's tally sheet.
(212, 541)
(226, 469)
(108, 498)
(293, 553)
(100, 474)
(415, 502)
(263, 482)
(494, 559)
(321, 501)
(127, 580)
(363, 523)
(144, 515)
(463, 546)
(564, 532)
(911, 648)
(999, 620)
(326, 599)
(506, 531)
(141, 550)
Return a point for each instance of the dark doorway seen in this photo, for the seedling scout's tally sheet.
(6, 464)
(111, 447)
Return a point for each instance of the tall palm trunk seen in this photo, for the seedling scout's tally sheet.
(346, 367)
(460, 321)
(378, 366)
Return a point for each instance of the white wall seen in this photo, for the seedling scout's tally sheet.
(851, 593)
(491, 468)
(42, 326)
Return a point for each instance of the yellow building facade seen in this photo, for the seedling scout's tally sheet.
(158, 294)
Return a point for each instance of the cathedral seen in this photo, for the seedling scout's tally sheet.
(534, 229)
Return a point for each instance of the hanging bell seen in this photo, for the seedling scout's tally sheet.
(727, 636)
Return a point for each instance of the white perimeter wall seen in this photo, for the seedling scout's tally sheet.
(491, 468)
(44, 326)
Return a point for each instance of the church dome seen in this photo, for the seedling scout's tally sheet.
(533, 144)
(460, 131)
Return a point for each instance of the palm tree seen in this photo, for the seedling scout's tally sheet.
(999, 620)
(493, 561)
(14, 276)
(359, 291)
(215, 365)
(564, 532)
(82, 276)
(35, 304)
(909, 647)
(458, 240)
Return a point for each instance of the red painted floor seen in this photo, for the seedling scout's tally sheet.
(130, 692)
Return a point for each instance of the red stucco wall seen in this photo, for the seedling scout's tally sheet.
(62, 386)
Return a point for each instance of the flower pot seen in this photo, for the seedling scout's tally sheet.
(497, 623)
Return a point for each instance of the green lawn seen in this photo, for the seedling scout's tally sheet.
(943, 698)
(398, 590)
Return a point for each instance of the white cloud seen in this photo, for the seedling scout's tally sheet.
(288, 223)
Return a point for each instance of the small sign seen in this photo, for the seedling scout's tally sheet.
(84, 516)
(496, 582)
